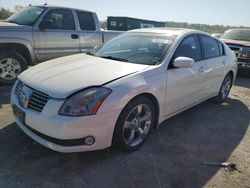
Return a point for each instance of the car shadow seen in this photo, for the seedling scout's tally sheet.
(172, 157)
(5, 95)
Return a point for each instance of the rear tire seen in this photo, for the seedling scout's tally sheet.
(134, 124)
(11, 65)
(224, 89)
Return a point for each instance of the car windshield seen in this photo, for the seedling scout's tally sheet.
(26, 16)
(139, 48)
(243, 35)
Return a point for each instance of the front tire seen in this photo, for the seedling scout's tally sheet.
(134, 124)
(225, 89)
(11, 65)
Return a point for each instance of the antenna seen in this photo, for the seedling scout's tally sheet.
(45, 3)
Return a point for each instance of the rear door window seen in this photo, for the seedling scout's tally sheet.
(211, 47)
(86, 21)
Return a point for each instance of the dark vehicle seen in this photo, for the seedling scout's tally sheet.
(239, 41)
(127, 23)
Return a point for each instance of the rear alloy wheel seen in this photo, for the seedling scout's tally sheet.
(225, 89)
(134, 124)
(11, 65)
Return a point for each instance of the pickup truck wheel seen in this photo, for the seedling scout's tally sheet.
(134, 124)
(11, 65)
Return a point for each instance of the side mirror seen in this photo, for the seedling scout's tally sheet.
(183, 62)
(46, 24)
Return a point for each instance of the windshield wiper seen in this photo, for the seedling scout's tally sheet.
(114, 58)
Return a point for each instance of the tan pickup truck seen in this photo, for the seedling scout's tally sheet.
(39, 33)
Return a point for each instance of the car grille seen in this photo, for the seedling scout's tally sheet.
(37, 99)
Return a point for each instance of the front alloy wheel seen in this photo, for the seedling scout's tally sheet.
(137, 125)
(134, 124)
(12, 64)
(9, 69)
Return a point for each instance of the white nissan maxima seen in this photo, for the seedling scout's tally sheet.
(117, 94)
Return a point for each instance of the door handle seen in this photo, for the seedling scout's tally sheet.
(224, 62)
(75, 36)
(201, 69)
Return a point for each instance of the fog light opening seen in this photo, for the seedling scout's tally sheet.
(89, 140)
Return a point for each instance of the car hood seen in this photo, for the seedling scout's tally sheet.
(12, 26)
(237, 42)
(63, 76)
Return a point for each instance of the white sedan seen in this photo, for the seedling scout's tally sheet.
(118, 93)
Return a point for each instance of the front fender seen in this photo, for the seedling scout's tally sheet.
(23, 42)
(152, 81)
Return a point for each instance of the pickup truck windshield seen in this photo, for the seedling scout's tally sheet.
(26, 16)
(139, 48)
(243, 35)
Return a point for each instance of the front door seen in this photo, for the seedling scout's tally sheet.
(185, 86)
(58, 39)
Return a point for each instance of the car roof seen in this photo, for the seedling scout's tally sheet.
(61, 7)
(166, 30)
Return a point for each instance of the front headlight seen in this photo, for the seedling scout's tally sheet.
(86, 102)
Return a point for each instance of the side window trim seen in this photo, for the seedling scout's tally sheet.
(202, 47)
(223, 49)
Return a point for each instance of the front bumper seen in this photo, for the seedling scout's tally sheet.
(56, 131)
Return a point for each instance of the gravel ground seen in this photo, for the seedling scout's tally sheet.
(172, 157)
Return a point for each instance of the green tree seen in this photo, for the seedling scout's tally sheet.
(5, 13)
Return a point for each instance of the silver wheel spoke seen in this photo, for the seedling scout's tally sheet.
(128, 125)
(131, 137)
(146, 117)
(13, 74)
(139, 109)
(2, 66)
(3, 74)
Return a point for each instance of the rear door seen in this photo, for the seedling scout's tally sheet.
(59, 39)
(89, 32)
(185, 86)
(215, 58)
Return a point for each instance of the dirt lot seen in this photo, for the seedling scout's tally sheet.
(172, 157)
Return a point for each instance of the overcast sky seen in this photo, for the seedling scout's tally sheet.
(222, 12)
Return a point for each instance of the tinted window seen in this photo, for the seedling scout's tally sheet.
(211, 48)
(189, 47)
(221, 47)
(86, 20)
(62, 19)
